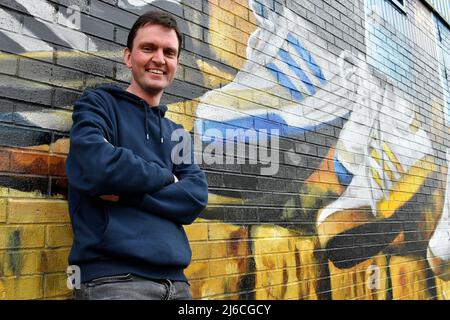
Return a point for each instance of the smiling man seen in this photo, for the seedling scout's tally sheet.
(127, 198)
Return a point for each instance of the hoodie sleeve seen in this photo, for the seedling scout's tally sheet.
(97, 167)
(181, 202)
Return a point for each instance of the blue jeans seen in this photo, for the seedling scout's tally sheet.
(131, 287)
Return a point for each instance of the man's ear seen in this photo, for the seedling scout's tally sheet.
(127, 57)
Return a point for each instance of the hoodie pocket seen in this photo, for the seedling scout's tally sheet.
(140, 236)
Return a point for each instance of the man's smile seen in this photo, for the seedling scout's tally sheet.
(154, 71)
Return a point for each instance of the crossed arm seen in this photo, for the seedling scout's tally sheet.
(100, 169)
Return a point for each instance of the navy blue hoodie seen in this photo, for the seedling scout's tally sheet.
(121, 146)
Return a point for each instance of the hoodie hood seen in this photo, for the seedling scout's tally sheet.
(160, 110)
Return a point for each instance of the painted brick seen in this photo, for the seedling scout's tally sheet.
(94, 81)
(53, 261)
(57, 165)
(60, 145)
(90, 25)
(51, 74)
(197, 270)
(200, 250)
(85, 62)
(109, 13)
(23, 162)
(9, 21)
(4, 160)
(235, 8)
(197, 231)
(3, 210)
(221, 231)
(196, 4)
(121, 36)
(16, 237)
(37, 211)
(105, 49)
(17, 262)
(23, 186)
(221, 14)
(24, 90)
(8, 64)
(23, 288)
(123, 73)
(51, 33)
(226, 267)
(39, 8)
(55, 285)
(58, 236)
(79, 5)
(64, 98)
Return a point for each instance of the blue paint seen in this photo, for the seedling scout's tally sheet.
(285, 81)
(344, 176)
(297, 70)
(306, 56)
(270, 121)
(260, 10)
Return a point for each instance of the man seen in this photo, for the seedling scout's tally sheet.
(127, 198)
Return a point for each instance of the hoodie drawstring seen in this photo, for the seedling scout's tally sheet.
(147, 134)
(160, 127)
(146, 122)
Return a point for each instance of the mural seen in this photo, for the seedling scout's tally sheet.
(359, 206)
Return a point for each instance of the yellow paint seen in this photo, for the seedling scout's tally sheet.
(58, 236)
(376, 177)
(37, 211)
(55, 285)
(442, 289)
(408, 277)
(285, 264)
(60, 146)
(197, 231)
(3, 209)
(215, 199)
(23, 288)
(406, 187)
(393, 158)
(53, 261)
(217, 42)
(353, 283)
(31, 236)
(29, 263)
(197, 270)
(208, 69)
(375, 155)
(218, 270)
(60, 54)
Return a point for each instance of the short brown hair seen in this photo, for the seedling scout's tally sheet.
(154, 17)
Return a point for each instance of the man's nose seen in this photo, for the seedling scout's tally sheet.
(158, 57)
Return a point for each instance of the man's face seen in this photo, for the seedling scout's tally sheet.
(153, 59)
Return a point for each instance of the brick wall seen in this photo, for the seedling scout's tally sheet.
(347, 198)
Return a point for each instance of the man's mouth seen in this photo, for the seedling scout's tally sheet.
(154, 71)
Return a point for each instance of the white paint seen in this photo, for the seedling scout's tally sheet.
(439, 244)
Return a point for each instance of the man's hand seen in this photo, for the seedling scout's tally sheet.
(110, 197)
